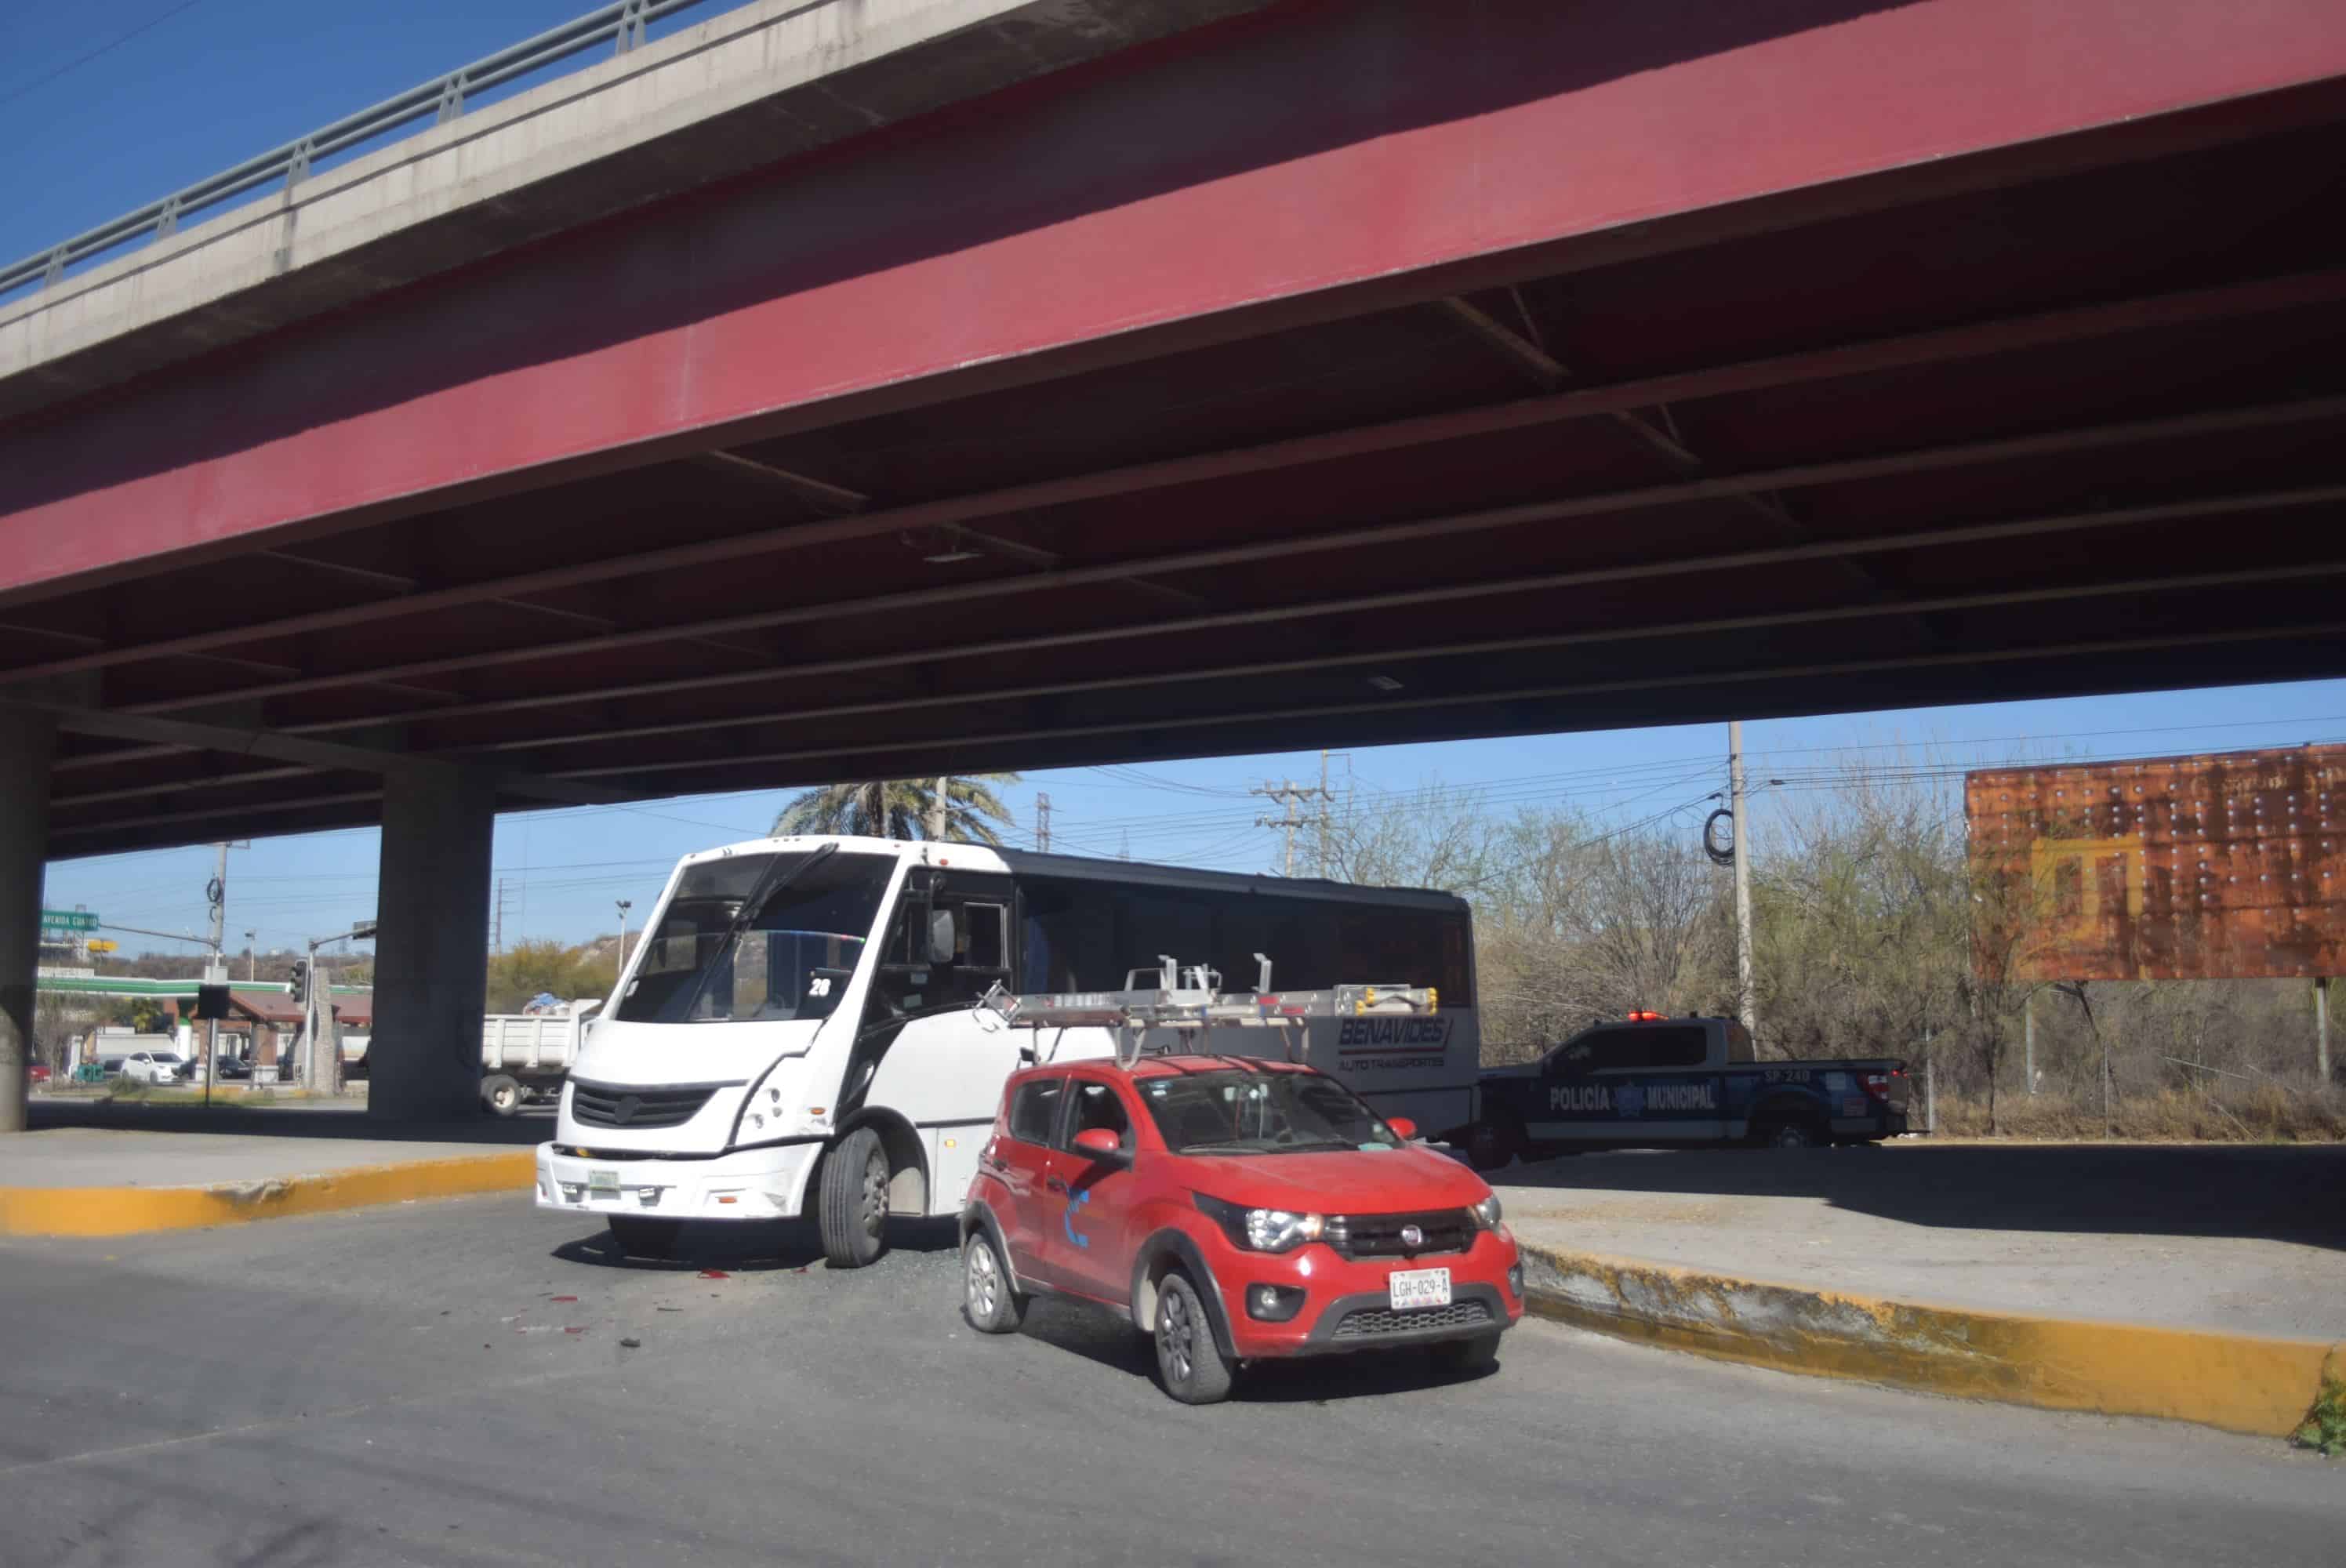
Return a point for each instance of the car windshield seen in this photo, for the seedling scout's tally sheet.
(794, 961)
(166, 1058)
(1247, 1111)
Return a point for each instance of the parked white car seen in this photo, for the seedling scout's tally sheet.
(155, 1067)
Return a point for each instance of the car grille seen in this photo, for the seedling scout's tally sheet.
(612, 1106)
(1373, 1322)
(1380, 1235)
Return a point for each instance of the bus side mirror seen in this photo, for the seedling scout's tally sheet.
(941, 936)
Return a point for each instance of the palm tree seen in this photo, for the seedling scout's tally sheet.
(901, 809)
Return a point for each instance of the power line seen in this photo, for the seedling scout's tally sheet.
(77, 63)
(1502, 791)
(1226, 832)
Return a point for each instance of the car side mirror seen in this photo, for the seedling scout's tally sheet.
(1403, 1127)
(1101, 1146)
(941, 936)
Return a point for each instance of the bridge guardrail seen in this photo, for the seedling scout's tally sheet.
(624, 24)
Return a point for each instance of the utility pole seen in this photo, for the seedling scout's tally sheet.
(935, 828)
(625, 905)
(497, 934)
(1742, 880)
(314, 1065)
(2322, 1030)
(325, 1071)
(1325, 798)
(215, 971)
(1290, 794)
(1042, 822)
(2028, 1039)
(252, 961)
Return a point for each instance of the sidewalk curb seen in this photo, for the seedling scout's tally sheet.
(124, 1210)
(2239, 1383)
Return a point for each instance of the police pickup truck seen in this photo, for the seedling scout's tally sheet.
(1651, 1082)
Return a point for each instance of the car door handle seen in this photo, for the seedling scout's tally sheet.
(1056, 1183)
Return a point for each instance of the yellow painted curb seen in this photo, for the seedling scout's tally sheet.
(122, 1210)
(2240, 1382)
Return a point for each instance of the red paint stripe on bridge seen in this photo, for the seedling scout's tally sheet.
(1322, 148)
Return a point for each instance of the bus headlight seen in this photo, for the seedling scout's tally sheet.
(770, 1109)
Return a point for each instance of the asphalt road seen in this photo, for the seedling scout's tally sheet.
(406, 1386)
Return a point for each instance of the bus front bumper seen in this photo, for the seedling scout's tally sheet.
(750, 1184)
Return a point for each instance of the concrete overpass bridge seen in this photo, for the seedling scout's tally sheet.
(849, 390)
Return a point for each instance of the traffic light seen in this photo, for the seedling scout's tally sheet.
(300, 980)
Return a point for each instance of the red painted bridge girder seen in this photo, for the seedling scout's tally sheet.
(1276, 166)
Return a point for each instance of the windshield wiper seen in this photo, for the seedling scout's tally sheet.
(772, 881)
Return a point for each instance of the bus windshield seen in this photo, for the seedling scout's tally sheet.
(1243, 1111)
(793, 961)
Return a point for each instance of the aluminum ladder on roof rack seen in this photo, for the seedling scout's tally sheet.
(1189, 1000)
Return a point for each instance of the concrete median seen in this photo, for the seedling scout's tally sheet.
(127, 1210)
(2239, 1383)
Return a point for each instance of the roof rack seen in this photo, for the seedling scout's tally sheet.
(1188, 1007)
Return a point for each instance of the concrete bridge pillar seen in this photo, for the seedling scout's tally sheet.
(432, 946)
(27, 741)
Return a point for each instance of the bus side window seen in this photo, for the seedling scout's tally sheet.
(1066, 937)
(983, 937)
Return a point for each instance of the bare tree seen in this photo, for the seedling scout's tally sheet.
(1432, 837)
(1876, 934)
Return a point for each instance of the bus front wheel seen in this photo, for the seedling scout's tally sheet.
(853, 1213)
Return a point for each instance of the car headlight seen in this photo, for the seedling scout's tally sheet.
(1264, 1229)
(1486, 1213)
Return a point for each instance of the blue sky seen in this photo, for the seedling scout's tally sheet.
(214, 82)
(561, 871)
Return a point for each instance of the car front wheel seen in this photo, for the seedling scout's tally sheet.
(1187, 1357)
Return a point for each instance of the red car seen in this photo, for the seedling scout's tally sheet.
(1233, 1209)
(38, 1072)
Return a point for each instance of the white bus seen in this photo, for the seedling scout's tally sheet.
(798, 1033)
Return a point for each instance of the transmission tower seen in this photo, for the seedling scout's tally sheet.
(498, 937)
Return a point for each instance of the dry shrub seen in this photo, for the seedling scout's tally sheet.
(2257, 1113)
